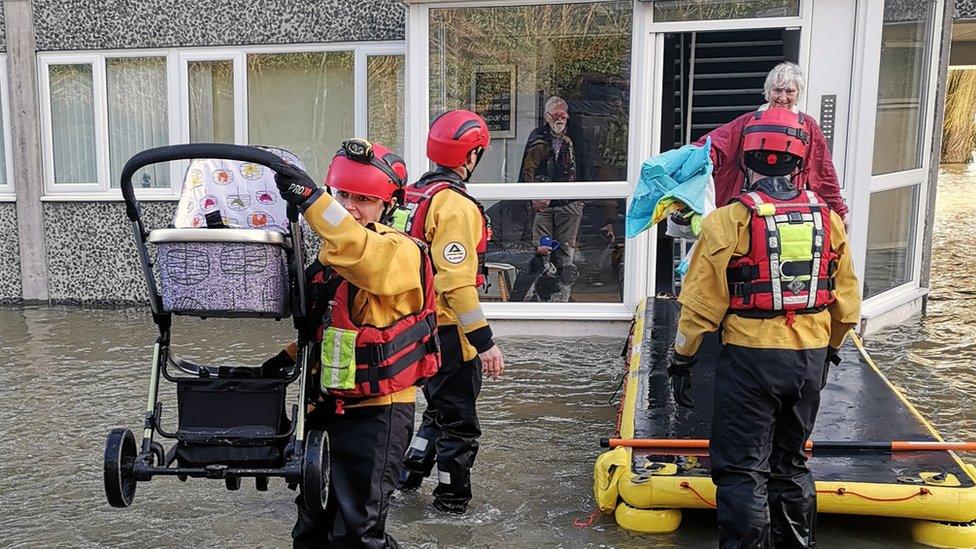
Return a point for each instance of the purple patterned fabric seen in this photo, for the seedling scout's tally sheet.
(223, 278)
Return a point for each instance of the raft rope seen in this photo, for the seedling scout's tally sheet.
(841, 491)
(587, 521)
(687, 485)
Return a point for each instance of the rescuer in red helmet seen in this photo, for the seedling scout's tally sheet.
(439, 211)
(773, 268)
(372, 288)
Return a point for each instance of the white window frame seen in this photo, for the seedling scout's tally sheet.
(639, 142)
(177, 60)
(910, 290)
(240, 107)
(100, 185)
(7, 192)
(361, 81)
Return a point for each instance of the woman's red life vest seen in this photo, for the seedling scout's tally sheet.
(411, 217)
(389, 358)
(790, 265)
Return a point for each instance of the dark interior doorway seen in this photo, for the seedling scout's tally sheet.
(710, 78)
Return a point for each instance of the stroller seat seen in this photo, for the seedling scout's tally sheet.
(222, 272)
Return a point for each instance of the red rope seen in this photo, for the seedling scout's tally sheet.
(586, 521)
(686, 485)
(843, 491)
(840, 492)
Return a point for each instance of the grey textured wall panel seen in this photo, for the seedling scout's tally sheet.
(3, 25)
(114, 24)
(965, 9)
(10, 289)
(91, 257)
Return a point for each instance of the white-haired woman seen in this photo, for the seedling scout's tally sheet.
(785, 84)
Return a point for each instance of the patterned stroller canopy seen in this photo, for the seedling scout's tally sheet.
(233, 195)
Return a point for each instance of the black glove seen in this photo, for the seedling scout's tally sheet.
(833, 356)
(680, 373)
(277, 366)
(295, 186)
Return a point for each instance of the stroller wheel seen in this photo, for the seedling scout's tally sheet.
(233, 483)
(315, 471)
(120, 480)
(261, 483)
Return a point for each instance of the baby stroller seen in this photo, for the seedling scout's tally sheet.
(231, 421)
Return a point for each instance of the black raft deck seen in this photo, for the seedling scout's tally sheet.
(647, 488)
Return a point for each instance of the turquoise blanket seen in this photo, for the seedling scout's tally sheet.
(671, 181)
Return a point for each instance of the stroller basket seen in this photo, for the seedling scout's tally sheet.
(222, 272)
(231, 421)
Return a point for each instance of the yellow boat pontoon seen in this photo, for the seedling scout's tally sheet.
(647, 487)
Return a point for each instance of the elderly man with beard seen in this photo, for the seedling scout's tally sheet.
(549, 153)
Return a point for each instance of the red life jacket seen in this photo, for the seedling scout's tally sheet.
(412, 215)
(388, 359)
(790, 266)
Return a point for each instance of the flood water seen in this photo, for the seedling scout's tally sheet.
(67, 376)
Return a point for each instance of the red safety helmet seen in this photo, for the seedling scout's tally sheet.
(774, 141)
(453, 135)
(369, 169)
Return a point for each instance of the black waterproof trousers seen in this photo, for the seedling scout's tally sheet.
(366, 445)
(449, 432)
(766, 402)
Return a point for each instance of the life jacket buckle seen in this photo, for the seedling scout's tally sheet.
(376, 354)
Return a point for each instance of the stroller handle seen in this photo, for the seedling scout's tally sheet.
(192, 151)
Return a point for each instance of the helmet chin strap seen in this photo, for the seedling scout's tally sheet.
(470, 172)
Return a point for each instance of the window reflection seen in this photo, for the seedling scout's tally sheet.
(552, 81)
(891, 239)
(556, 250)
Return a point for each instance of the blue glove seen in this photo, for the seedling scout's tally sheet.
(549, 242)
(295, 186)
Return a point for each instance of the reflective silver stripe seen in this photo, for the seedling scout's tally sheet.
(755, 198)
(818, 247)
(772, 246)
(335, 369)
(794, 300)
(813, 199)
(443, 477)
(334, 213)
(419, 443)
(783, 218)
(472, 316)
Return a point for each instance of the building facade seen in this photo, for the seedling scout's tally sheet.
(87, 84)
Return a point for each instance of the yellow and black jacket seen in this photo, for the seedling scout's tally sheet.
(381, 262)
(705, 297)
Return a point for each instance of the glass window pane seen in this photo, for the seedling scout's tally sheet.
(211, 92)
(303, 102)
(508, 63)
(137, 116)
(891, 239)
(700, 10)
(902, 86)
(587, 266)
(72, 123)
(384, 100)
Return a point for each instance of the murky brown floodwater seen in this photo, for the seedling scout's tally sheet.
(67, 376)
